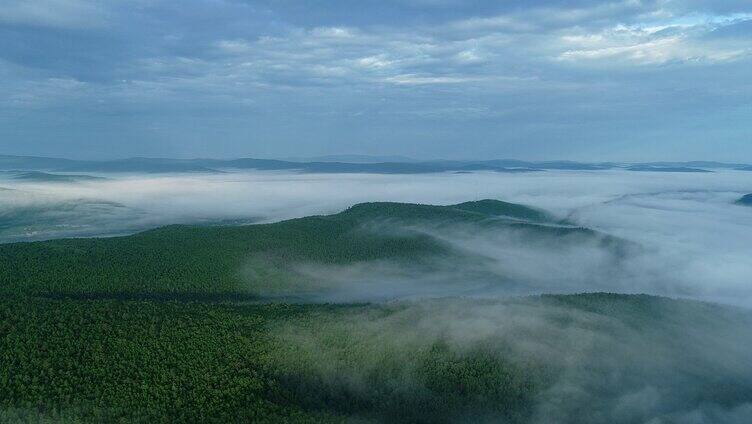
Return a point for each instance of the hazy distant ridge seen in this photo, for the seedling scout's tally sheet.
(358, 164)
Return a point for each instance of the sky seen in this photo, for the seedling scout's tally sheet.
(629, 80)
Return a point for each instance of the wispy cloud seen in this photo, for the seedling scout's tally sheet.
(679, 39)
(249, 61)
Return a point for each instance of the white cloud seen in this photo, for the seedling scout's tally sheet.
(470, 64)
(336, 54)
(470, 56)
(494, 23)
(334, 32)
(658, 51)
(374, 62)
(679, 39)
(414, 79)
(234, 46)
(44, 92)
(448, 54)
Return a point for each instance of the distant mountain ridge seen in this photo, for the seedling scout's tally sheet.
(745, 200)
(44, 177)
(353, 159)
(653, 168)
(329, 164)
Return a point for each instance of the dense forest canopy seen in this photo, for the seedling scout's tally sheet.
(261, 323)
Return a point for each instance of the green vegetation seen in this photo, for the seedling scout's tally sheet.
(499, 208)
(68, 360)
(193, 261)
(372, 361)
(477, 211)
(490, 360)
(167, 326)
(104, 361)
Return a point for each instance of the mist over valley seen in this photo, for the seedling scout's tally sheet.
(382, 211)
(502, 297)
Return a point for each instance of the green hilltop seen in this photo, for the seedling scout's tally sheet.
(469, 211)
(206, 261)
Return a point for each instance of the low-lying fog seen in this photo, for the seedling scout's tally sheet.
(698, 242)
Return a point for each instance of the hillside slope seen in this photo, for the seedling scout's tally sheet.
(187, 324)
(210, 261)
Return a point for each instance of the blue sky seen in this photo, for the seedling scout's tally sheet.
(541, 79)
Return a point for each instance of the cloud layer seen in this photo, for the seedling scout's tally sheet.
(621, 79)
(694, 240)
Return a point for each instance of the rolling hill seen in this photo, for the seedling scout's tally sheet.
(199, 260)
(179, 325)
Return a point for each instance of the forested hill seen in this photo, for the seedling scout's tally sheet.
(475, 211)
(128, 329)
(207, 261)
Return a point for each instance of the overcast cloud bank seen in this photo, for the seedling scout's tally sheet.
(585, 79)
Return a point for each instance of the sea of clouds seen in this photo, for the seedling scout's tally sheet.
(695, 241)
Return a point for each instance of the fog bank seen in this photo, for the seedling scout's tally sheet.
(695, 241)
(589, 359)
